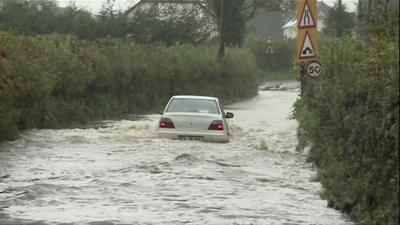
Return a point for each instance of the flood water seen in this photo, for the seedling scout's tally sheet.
(120, 172)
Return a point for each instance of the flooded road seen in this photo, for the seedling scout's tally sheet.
(121, 173)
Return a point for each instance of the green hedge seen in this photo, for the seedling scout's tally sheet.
(350, 115)
(57, 81)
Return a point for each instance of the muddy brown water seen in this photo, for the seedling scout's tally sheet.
(120, 172)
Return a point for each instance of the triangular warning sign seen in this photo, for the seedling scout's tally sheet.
(307, 19)
(307, 49)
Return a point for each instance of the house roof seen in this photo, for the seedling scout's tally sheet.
(291, 23)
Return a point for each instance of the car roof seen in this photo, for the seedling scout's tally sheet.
(195, 97)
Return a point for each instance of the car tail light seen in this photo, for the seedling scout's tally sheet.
(166, 123)
(216, 125)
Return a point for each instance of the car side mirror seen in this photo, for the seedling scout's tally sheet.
(229, 115)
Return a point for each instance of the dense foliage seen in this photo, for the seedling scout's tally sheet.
(46, 17)
(55, 81)
(38, 17)
(350, 115)
(339, 22)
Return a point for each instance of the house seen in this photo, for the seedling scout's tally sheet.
(290, 28)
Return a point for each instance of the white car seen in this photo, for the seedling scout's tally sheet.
(195, 118)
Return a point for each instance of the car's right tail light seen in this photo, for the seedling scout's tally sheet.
(216, 125)
(166, 123)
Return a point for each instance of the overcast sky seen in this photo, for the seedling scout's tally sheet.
(95, 5)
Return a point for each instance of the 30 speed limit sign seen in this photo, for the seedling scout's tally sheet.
(313, 69)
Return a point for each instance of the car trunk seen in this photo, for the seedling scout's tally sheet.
(192, 122)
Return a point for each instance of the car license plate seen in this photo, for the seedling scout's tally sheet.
(191, 138)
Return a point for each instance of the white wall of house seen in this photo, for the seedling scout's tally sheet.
(290, 29)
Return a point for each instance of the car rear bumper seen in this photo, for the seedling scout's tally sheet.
(209, 137)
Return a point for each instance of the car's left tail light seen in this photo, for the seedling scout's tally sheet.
(216, 125)
(166, 123)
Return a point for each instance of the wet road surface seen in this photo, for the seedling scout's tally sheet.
(121, 173)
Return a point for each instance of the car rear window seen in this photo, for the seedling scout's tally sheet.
(193, 106)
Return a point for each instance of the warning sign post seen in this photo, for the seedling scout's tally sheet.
(307, 19)
(307, 50)
(307, 33)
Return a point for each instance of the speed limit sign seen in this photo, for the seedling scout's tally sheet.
(313, 69)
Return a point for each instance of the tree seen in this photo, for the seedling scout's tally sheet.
(112, 23)
(30, 17)
(377, 15)
(36, 17)
(168, 25)
(339, 22)
(231, 17)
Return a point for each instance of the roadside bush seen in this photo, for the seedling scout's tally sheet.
(350, 116)
(57, 81)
